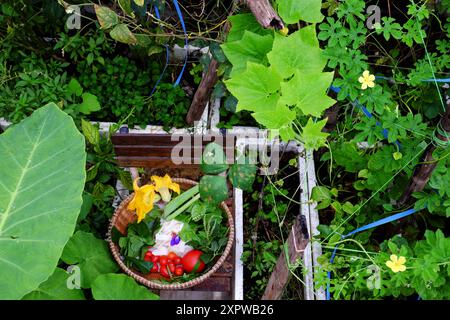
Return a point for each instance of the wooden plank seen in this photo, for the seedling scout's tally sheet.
(214, 283)
(153, 162)
(159, 162)
(160, 151)
(167, 139)
(296, 244)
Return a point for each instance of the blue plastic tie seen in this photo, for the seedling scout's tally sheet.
(180, 15)
(377, 223)
(167, 56)
(425, 80)
(385, 132)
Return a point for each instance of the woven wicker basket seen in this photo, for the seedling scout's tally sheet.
(123, 217)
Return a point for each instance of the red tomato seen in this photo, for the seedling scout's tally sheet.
(164, 272)
(179, 271)
(147, 257)
(154, 268)
(155, 259)
(171, 267)
(163, 260)
(149, 253)
(172, 256)
(192, 262)
(177, 261)
(169, 261)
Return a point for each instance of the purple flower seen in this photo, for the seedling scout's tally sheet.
(175, 240)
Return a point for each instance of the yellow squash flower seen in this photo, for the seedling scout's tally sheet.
(163, 185)
(143, 200)
(367, 80)
(396, 264)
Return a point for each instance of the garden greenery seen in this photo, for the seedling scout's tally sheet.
(362, 97)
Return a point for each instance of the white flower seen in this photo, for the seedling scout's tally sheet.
(164, 235)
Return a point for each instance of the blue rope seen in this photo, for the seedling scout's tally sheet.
(377, 223)
(369, 115)
(180, 16)
(167, 56)
(425, 80)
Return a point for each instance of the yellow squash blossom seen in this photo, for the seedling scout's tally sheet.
(367, 80)
(163, 185)
(396, 264)
(143, 199)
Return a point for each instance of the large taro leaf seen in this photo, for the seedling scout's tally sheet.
(56, 288)
(120, 287)
(41, 182)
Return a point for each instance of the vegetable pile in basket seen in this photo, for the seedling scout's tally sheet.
(177, 239)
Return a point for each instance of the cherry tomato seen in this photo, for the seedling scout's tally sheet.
(147, 257)
(171, 267)
(164, 271)
(155, 259)
(169, 261)
(177, 261)
(154, 268)
(179, 271)
(163, 260)
(149, 253)
(192, 262)
(172, 256)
